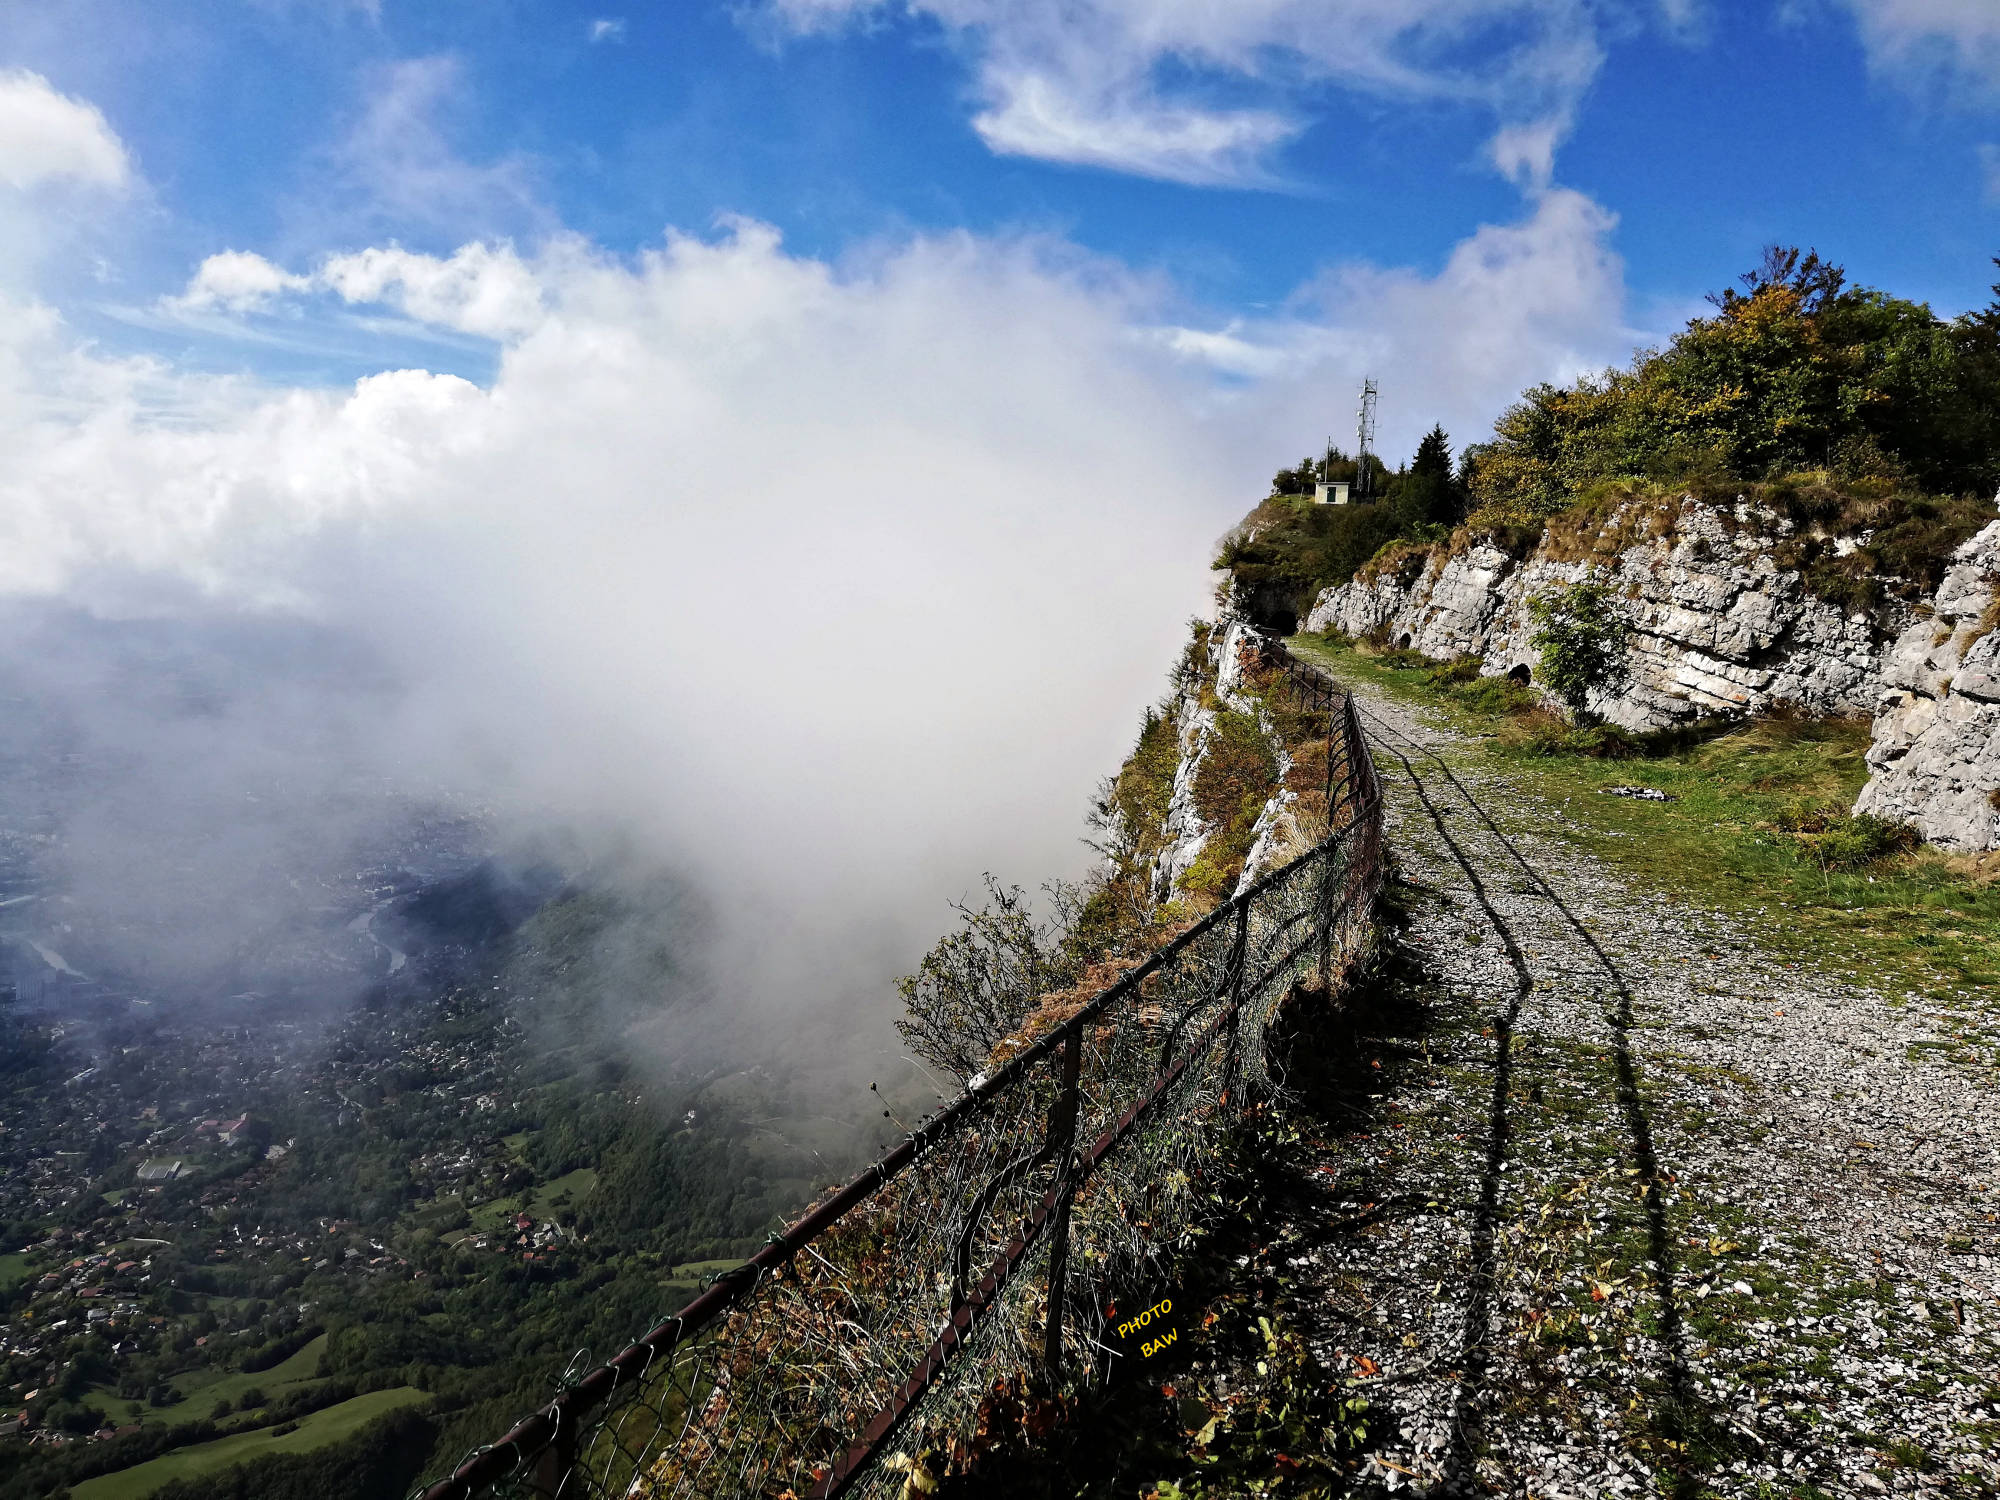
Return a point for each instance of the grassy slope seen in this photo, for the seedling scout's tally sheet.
(315, 1431)
(541, 1203)
(14, 1270)
(200, 1390)
(1920, 923)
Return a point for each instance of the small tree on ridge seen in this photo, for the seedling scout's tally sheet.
(1580, 633)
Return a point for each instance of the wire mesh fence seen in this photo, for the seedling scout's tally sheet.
(981, 1254)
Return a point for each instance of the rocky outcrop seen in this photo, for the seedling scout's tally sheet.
(1276, 834)
(1936, 755)
(1187, 832)
(1717, 625)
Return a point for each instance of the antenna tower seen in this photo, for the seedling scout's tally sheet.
(1364, 449)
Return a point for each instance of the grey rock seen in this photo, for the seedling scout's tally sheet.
(1716, 625)
(1936, 753)
(1277, 834)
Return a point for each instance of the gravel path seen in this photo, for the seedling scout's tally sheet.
(1638, 1208)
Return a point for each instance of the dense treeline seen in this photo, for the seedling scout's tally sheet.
(1290, 548)
(1798, 372)
(1855, 413)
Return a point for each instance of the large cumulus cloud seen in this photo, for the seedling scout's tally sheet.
(828, 584)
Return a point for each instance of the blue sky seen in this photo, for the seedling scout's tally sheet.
(806, 425)
(1707, 130)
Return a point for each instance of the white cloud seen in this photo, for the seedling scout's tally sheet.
(1526, 154)
(852, 578)
(397, 167)
(1514, 304)
(481, 289)
(1086, 82)
(46, 136)
(1925, 41)
(1989, 166)
(608, 29)
(1033, 115)
(839, 584)
(1686, 19)
(236, 281)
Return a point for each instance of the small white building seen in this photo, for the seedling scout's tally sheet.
(1330, 492)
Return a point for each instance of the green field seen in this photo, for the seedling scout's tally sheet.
(201, 1389)
(14, 1270)
(689, 1278)
(578, 1184)
(315, 1431)
(541, 1202)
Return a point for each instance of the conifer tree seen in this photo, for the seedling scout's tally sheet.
(1428, 494)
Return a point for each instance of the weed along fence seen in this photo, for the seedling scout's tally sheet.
(976, 1260)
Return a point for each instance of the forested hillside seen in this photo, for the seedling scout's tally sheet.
(459, 1187)
(1860, 414)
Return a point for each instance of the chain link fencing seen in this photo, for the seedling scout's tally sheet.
(978, 1258)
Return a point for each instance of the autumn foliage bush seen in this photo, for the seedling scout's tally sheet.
(1799, 371)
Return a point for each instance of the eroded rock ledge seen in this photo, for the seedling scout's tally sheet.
(1718, 625)
(1936, 756)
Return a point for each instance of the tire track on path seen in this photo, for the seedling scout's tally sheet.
(1676, 1418)
(1588, 1190)
(1475, 1350)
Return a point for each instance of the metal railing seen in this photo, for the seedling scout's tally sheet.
(981, 1255)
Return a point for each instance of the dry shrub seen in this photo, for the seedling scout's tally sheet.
(1603, 525)
(1057, 1006)
(1402, 560)
(1980, 869)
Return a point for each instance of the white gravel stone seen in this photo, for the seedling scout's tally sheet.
(1830, 1174)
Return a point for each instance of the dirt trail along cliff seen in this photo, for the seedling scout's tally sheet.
(1639, 1208)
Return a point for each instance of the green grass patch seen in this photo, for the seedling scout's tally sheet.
(572, 1187)
(688, 1278)
(316, 1431)
(201, 1389)
(698, 1270)
(15, 1269)
(1758, 829)
(488, 1217)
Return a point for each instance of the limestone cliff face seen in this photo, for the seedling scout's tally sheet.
(1276, 835)
(1936, 756)
(1718, 625)
(1187, 832)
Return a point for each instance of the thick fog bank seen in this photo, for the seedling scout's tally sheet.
(823, 587)
(826, 591)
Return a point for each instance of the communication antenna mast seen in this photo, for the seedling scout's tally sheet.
(1364, 448)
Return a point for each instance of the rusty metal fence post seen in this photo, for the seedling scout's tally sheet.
(1062, 1144)
(556, 1462)
(1239, 966)
(1326, 698)
(697, 1440)
(1329, 872)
